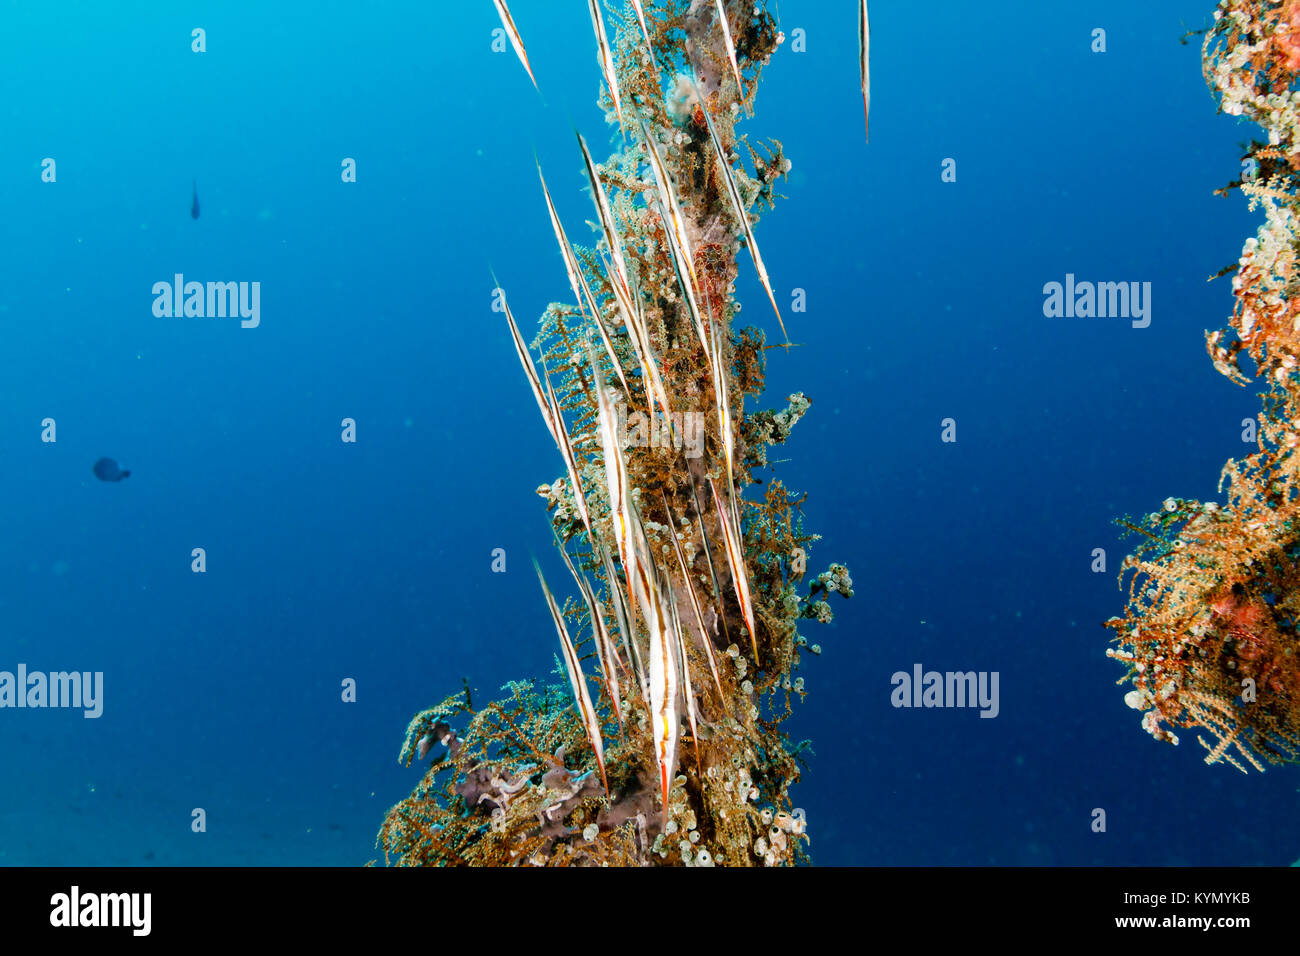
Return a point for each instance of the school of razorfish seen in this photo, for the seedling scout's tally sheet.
(643, 591)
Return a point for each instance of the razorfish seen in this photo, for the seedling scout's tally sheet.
(578, 281)
(617, 487)
(695, 601)
(581, 697)
(679, 243)
(605, 652)
(640, 17)
(738, 207)
(194, 199)
(731, 47)
(606, 57)
(525, 359)
(731, 538)
(665, 664)
(864, 65)
(516, 40)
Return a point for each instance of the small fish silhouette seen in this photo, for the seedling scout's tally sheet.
(106, 470)
(194, 202)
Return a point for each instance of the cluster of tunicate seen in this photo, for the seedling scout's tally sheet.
(547, 776)
(836, 580)
(783, 830)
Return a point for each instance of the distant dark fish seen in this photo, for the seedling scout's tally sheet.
(194, 202)
(106, 470)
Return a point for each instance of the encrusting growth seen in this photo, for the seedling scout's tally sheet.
(1210, 634)
(663, 745)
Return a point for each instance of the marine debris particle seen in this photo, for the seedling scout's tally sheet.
(690, 594)
(106, 470)
(1209, 634)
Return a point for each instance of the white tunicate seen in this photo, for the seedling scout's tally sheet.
(1138, 700)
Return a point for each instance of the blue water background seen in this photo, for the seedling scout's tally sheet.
(371, 560)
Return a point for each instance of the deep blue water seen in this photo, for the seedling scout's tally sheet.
(371, 560)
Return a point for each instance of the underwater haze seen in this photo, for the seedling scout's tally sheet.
(325, 561)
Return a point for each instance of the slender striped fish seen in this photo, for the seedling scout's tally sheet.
(708, 558)
(679, 242)
(624, 622)
(731, 47)
(527, 362)
(605, 652)
(688, 692)
(578, 281)
(864, 64)
(566, 452)
(616, 485)
(664, 678)
(582, 699)
(606, 56)
(738, 207)
(736, 558)
(640, 18)
(607, 224)
(695, 601)
(515, 39)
